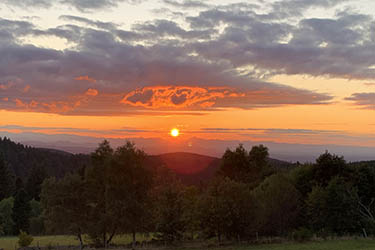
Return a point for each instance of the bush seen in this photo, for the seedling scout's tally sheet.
(24, 240)
(302, 234)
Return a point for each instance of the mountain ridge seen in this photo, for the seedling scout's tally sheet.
(190, 168)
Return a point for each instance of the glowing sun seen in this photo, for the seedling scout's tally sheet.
(175, 132)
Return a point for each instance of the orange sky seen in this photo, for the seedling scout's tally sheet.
(216, 70)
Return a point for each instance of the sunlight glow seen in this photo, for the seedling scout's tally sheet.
(175, 132)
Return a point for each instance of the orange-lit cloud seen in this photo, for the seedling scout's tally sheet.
(159, 97)
(92, 92)
(26, 88)
(85, 78)
(187, 97)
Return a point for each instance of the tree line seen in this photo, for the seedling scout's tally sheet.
(119, 194)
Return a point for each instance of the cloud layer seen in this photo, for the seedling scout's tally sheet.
(220, 57)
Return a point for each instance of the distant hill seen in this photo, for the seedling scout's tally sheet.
(192, 169)
(21, 159)
(195, 169)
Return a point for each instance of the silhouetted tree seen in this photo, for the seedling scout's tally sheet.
(169, 211)
(333, 209)
(277, 205)
(65, 206)
(327, 167)
(34, 182)
(248, 167)
(6, 220)
(191, 197)
(129, 186)
(36, 218)
(21, 212)
(6, 180)
(101, 226)
(259, 155)
(226, 209)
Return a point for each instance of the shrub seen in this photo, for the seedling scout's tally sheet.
(302, 234)
(24, 239)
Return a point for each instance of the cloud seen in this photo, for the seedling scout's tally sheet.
(264, 45)
(364, 100)
(85, 78)
(92, 92)
(82, 5)
(186, 4)
(187, 97)
(29, 3)
(287, 8)
(106, 62)
(86, 21)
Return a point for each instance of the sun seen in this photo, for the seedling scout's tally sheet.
(175, 132)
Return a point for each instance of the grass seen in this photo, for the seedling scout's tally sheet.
(9, 243)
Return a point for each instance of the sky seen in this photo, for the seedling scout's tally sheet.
(295, 73)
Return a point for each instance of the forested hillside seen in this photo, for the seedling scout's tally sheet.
(191, 169)
(22, 159)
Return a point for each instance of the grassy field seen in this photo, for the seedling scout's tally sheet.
(9, 243)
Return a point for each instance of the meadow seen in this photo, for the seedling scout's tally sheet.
(10, 243)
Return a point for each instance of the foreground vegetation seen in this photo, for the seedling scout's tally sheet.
(9, 243)
(118, 193)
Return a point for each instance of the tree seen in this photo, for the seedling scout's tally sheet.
(36, 218)
(258, 156)
(226, 209)
(248, 167)
(34, 182)
(191, 197)
(6, 180)
(129, 187)
(333, 209)
(277, 205)
(99, 223)
(65, 206)
(329, 166)
(364, 182)
(21, 212)
(118, 186)
(6, 220)
(169, 211)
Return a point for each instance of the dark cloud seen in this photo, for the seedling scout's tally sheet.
(341, 47)
(291, 8)
(116, 69)
(82, 5)
(225, 58)
(29, 3)
(364, 100)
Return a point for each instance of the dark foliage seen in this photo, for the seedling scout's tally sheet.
(21, 212)
(22, 159)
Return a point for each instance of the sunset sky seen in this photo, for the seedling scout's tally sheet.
(286, 72)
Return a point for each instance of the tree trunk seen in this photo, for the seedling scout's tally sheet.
(364, 232)
(134, 239)
(80, 241)
(111, 237)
